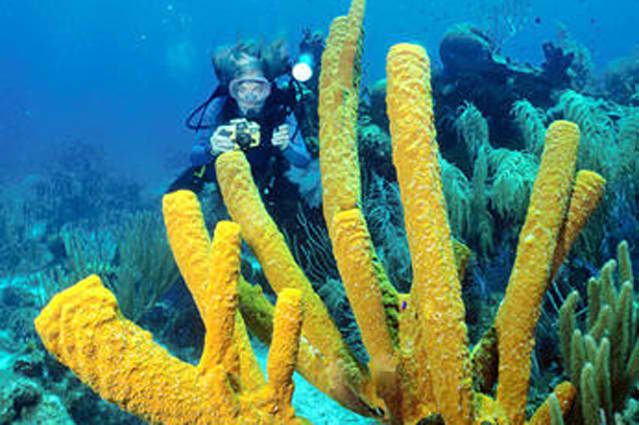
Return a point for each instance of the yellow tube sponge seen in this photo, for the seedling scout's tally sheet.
(211, 272)
(517, 317)
(338, 102)
(257, 311)
(462, 255)
(258, 229)
(282, 355)
(420, 364)
(84, 329)
(565, 393)
(588, 190)
(436, 290)
(325, 359)
(360, 271)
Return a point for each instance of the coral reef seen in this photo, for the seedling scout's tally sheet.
(68, 185)
(22, 402)
(420, 363)
(602, 361)
(133, 259)
(621, 79)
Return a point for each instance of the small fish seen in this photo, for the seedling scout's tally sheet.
(538, 20)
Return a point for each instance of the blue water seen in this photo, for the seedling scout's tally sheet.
(122, 76)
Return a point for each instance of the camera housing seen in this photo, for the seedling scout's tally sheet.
(245, 134)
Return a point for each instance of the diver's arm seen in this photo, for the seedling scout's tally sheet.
(296, 152)
(201, 151)
(201, 170)
(201, 154)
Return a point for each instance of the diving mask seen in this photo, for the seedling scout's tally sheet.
(250, 92)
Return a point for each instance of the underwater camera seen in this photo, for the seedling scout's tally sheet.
(244, 134)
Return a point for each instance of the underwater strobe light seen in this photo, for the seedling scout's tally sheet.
(303, 68)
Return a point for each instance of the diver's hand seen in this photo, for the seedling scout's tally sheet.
(221, 142)
(281, 138)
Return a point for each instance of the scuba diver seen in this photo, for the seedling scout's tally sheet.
(250, 110)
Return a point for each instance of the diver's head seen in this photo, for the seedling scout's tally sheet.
(247, 69)
(250, 89)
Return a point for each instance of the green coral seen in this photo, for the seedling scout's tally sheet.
(597, 145)
(602, 361)
(458, 192)
(629, 144)
(482, 225)
(621, 79)
(513, 175)
(471, 128)
(139, 268)
(532, 124)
